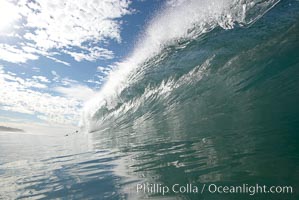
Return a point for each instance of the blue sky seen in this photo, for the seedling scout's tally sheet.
(55, 55)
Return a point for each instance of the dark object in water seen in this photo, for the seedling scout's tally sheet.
(72, 133)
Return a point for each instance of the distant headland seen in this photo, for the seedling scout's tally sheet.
(9, 129)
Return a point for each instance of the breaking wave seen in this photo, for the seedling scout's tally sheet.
(187, 54)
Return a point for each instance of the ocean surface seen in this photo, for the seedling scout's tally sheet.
(208, 97)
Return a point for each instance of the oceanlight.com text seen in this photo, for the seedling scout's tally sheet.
(248, 189)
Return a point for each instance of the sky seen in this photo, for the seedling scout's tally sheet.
(56, 54)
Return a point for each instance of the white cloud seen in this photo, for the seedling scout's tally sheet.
(59, 61)
(73, 27)
(78, 92)
(56, 76)
(91, 54)
(96, 81)
(12, 54)
(20, 95)
(7, 8)
(65, 81)
(26, 83)
(104, 70)
(41, 79)
(99, 82)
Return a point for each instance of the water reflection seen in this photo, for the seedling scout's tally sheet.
(109, 164)
(48, 168)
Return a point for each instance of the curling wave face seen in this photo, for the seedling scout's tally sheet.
(177, 26)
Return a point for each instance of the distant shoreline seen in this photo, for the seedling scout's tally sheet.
(9, 129)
